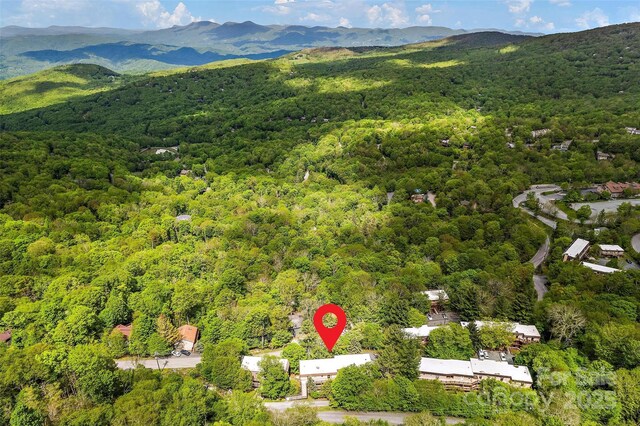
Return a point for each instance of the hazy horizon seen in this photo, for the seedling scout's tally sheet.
(532, 16)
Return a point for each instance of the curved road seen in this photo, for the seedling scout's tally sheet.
(635, 243)
(543, 200)
(541, 254)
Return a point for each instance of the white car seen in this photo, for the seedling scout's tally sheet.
(176, 353)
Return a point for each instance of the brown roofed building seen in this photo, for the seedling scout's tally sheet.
(617, 189)
(124, 329)
(188, 336)
(5, 336)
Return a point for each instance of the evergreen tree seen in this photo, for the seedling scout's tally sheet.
(400, 355)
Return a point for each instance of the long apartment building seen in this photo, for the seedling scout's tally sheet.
(321, 370)
(467, 375)
(523, 333)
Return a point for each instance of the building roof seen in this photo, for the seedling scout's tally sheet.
(619, 187)
(5, 336)
(516, 328)
(577, 247)
(188, 333)
(183, 217)
(251, 363)
(600, 268)
(329, 366)
(422, 331)
(610, 247)
(124, 329)
(501, 369)
(445, 367)
(435, 295)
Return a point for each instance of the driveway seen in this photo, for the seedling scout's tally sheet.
(170, 363)
(540, 283)
(541, 254)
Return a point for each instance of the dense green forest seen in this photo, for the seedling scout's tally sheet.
(296, 174)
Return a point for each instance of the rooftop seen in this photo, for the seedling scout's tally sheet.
(422, 331)
(577, 247)
(445, 367)
(502, 369)
(516, 328)
(124, 329)
(188, 333)
(610, 247)
(5, 336)
(251, 363)
(330, 366)
(435, 295)
(600, 268)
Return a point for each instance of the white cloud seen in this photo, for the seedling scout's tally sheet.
(519, 23)
(424, 13)
(519, 6)
(315, 17)
(389, 13)
(425, 19)
(561, 3)
(278, 9)
(549, 26)
(344, 22)
(424, 9)
(536, 20)
(154, 12)
(374, 14)
(592, 18)
(283, 1)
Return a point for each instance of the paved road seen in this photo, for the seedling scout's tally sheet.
(540, 283)
(431, 196)
(338, 416)
(170, 363)
(635, 242)
(283, 405)
(544, 200)
(541, 254)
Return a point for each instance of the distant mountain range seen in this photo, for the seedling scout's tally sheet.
(27, 50)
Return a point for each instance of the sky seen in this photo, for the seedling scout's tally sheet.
(545, 16)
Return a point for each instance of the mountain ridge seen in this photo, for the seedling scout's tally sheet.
(228, 40)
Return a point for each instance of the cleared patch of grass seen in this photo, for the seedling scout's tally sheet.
(55, 85)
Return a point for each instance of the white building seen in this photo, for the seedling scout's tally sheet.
(467, 375)
(600, 269)
(321, 370)
(503, 371)
(611, 250)
(252, 363)
(421, 332)
(437, 298)
(523, 333)
(577, 250)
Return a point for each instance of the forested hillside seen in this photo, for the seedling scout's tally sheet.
(292, 179)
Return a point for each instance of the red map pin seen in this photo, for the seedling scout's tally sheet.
(330, 335)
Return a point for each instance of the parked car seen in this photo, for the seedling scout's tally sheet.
(176, 353)
(482, 354)
(429, 316)
(444, 315)
(185, 352)
(503, 356)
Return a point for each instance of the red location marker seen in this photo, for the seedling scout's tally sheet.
(329, 335)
